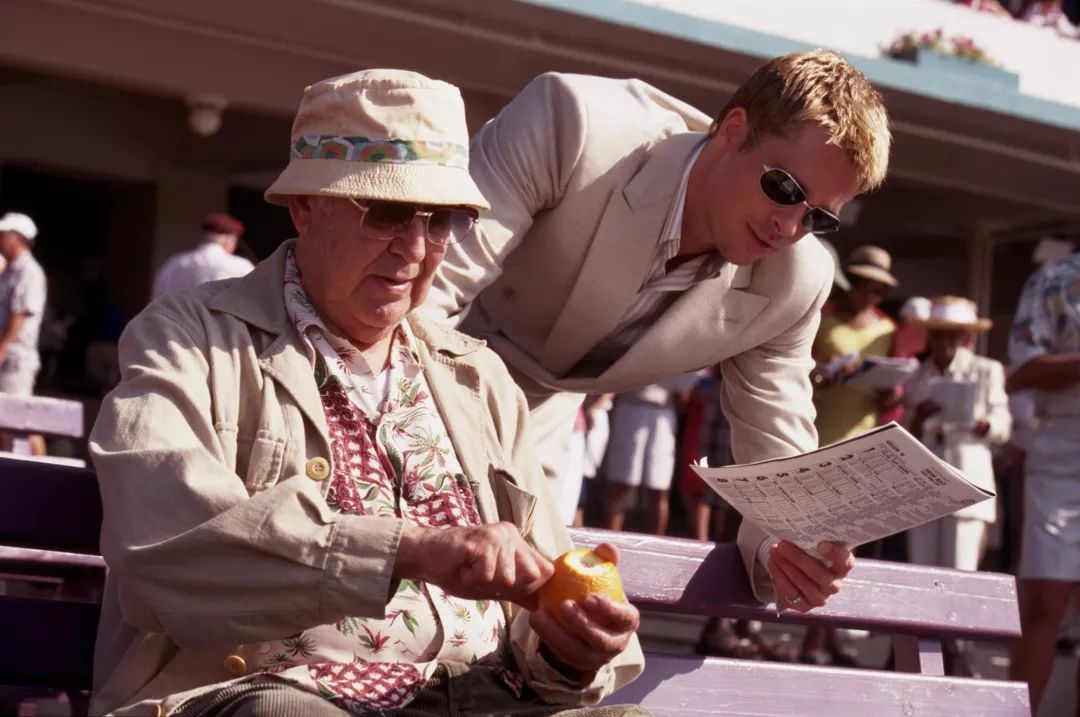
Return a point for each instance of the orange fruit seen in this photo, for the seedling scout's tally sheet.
(577, 573)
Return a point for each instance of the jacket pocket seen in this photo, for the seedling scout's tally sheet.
(512, 502)
(264, 462)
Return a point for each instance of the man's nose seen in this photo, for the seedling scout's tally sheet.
(411, 244)
(787, 222)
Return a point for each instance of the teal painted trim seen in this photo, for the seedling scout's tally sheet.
(885, 72)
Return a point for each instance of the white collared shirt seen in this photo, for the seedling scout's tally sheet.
(662, 287)
(207, 262)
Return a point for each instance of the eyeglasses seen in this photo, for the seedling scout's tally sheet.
(384, 221)
(783, 189)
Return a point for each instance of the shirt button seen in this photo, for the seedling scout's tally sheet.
(235, 665)
(317, 469)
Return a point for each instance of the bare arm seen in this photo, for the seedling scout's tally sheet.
(1046, 373)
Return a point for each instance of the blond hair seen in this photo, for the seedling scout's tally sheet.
(820, 87)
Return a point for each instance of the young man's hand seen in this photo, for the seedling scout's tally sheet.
(802, 581)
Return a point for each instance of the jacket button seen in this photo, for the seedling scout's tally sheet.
(235, 665)
(317, 469)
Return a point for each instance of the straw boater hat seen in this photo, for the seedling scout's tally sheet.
(954, 313)
(871, 262)
(380, 134)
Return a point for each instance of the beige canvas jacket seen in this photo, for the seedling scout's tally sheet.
(581, 172)
(213, 454)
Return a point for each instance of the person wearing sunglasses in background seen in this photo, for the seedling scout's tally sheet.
(633, 238)
(316, 503)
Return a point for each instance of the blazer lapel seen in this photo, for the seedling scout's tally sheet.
(620, 255)
(693, 332)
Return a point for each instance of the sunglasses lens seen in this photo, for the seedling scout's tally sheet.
(819, 221)
(447, 226)
(386, 220)
(781, 188)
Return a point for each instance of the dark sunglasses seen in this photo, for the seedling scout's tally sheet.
(384, 221)
(783, 189)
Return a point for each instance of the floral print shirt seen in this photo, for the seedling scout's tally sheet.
(392, 458)
(1047, 321)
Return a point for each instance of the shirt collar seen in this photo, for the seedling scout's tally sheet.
(711, 264)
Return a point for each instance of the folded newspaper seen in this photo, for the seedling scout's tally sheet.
(872, 372)
(852, 492)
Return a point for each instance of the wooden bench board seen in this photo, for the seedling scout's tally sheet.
(677, 686)
(694, 578)
(38, 414)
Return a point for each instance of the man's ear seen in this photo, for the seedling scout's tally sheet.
(734, 129)
(300, 212)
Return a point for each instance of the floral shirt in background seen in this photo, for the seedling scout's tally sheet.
(392, 458)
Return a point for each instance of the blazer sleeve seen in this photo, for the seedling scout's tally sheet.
(522, 161)
(768, 401)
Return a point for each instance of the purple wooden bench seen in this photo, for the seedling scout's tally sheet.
(50, 517)
(918, 606)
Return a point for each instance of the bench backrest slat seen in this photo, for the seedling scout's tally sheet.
(38, 414)
(694, 578)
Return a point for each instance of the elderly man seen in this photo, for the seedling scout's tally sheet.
(214, 258)
(317, 504)
(634, 238)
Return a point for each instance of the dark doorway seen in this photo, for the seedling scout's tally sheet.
(94, 244)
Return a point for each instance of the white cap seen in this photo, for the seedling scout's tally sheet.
(16, 222)
(917, 307)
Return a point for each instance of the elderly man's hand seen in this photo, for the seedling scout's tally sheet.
(598, 628)
(481, 562)
(802, 581)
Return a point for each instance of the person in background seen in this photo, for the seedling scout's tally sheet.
(851, 325)
(214, 258)
(854, 325)
(962, 441)
(23, 292)
(642, 450)
(597, 410)
(1044, 355)
(909, 341)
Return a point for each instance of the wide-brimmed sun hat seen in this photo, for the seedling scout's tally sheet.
(954, 313)
(871, 262)
(380, 134)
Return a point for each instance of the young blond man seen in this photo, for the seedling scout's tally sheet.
(634, 238)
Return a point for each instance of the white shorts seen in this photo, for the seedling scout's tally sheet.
(641, 449)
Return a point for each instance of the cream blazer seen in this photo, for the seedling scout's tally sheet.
(581, 172)
(216, 529)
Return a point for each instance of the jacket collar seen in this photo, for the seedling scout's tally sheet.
(259, 299)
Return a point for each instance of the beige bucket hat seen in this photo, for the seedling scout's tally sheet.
(871, 262)
(380, 134)
(954, 313)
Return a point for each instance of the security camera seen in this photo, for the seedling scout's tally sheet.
(204, 113)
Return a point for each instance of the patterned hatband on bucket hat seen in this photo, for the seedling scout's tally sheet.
(380, 134)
